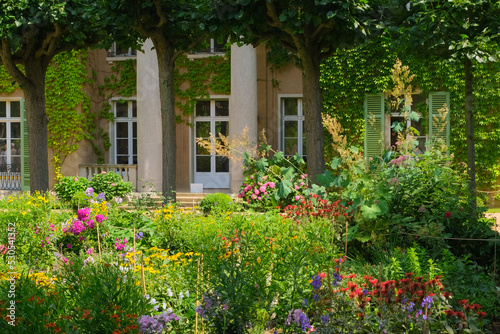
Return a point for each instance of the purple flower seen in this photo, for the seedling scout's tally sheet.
(139, 236)
(316, 282)
(89, 192)
(101, 197)
(68, 245)
(100, 218)
(83, 214)
(325, 318)
(316, 298)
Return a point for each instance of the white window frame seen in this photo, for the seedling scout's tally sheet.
(299, 118)
(388, 124)
(113, 132)
(112, 56)
(9, 120)
(223, 181)
(204, 54)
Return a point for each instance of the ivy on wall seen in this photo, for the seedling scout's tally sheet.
(197, 78)
(122, 82)
(68, 107)
(349, 75)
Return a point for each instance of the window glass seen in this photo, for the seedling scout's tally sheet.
(203, 108)
(221, 108)
(15, 109)
(122, 109)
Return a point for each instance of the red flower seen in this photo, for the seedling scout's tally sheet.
(447, 215)
(481, 314)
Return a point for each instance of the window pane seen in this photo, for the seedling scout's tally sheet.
(221, 164)
(3, 130)
(15, 163)
(134, 146)
(122, 129)
(122, 109)
(291, 146)
(290, 106)
(134, 129)
(201, 150)
(222, 128)
(203, 163)
(134, 109)
(203, 108)
(122, 146)
(15, 147)
(304, 147)
(15, 130)
(122, 159)
(418, 126)
(3, 148)
(134, 159)
(15, 109)
(291, 129)
(3, 109)
(221, 108)
(202, 129)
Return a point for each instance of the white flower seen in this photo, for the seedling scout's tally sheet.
(164, 306)
(170, 293)
(181, 295)
(187, 293)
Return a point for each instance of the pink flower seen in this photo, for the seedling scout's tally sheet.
(90, 251)
(103, 172)
(113, 184)
(271, 185)
(81, 238)
(447, 215)
(256, 191)
(251, 177)
(76, 179)
(68, 245)
(297, 198)
(262, 189)
(259, 198)
(100, 218)
(296, 187)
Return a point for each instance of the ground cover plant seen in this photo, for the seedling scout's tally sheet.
(294, 268)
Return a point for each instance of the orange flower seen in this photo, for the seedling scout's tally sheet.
(57, 329)
(31, 299)
(50, 324)
(132, 327)
(117, 331)
(68, 317)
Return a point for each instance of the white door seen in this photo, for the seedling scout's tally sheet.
(210, 169)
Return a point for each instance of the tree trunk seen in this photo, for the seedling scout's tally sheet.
(36, 116)
(469, 130)
(166, 65)
(313, 106)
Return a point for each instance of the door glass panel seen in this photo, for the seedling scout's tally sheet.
(122, 146)
(3, 130)
(221, 108)
(121, 129)
(290, 107)
(222, 128)
(122, 109)
(15, 163)
(3, 109)
(201, 150)
(203, 164)
(15, 109)
(15, 147)
(203, 108)
(291, 146)
(221, 164)
(291, 129)
(202, 129)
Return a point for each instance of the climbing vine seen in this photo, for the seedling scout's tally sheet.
(122, 83)
(68, 107)
(197, 78)
(349, 75)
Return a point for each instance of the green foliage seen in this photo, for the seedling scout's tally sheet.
(204, 76)
(344, 85)
(111, 184)
(216, 202)
(68, 186)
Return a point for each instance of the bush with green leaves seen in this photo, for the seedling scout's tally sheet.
(216, 202)
(111, 184)
(407, 197)
(273, 181)
(68, 186)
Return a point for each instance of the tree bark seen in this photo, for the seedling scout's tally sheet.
(469, 130)
(166, 64)
(313, 106)
(36, 116)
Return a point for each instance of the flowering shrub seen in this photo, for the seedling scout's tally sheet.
(111, 184)
(315, 207)
(411, 304)
(69, 186)
(272, 182)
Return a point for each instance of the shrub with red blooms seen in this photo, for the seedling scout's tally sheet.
(411, 305)
(315, 207)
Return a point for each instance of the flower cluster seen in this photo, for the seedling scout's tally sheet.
(256, 190)
(212, 307)
(157, 323)
(120, 244)
(299, 318)
(315, 207)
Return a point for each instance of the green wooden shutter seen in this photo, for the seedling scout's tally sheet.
(25, 158)
(439, 121)
(374, 125)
